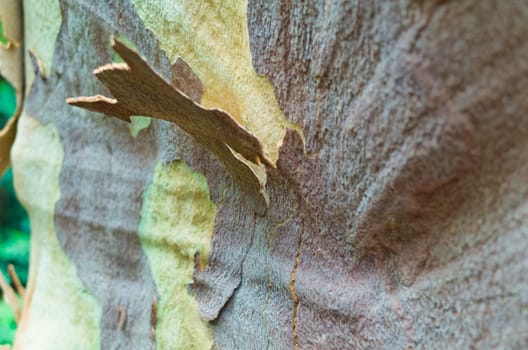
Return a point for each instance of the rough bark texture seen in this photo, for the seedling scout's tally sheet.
(398, 211)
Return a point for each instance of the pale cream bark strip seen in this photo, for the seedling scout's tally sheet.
(11, 68)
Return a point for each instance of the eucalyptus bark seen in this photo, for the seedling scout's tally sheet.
(384, 203)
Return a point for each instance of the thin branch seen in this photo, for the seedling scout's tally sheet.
(16, 281)
(10, 297)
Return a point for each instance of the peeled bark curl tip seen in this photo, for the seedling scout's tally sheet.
(7, 137)
(138, 90)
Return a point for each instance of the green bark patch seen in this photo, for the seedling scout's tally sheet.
(138, 123)
(176, 223)
(3, 40)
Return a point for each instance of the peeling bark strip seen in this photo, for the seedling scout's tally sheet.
(138, 90)
(7, 137)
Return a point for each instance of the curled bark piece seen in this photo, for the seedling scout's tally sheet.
(7, 137)
(38, 66)
(138, 90)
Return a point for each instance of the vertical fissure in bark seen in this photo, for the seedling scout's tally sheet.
(293, 293)
(273, 234)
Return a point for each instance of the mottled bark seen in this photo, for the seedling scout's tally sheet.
(396, 216)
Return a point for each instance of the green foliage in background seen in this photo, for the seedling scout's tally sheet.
(7, 324)
(3, 40)
(14, 223)
(7, 99)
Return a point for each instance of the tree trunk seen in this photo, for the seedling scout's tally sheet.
(294, 174)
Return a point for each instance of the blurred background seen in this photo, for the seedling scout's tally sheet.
(14, 224)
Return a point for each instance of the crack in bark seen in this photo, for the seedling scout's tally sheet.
(270, 247)
(242, 261)
(293, 293)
